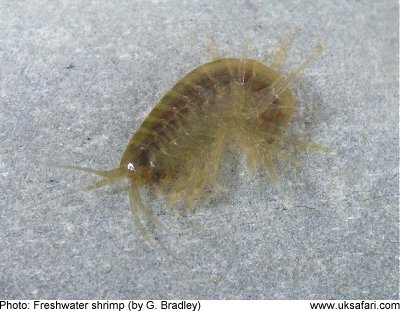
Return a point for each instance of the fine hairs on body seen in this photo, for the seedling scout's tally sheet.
(178, 148)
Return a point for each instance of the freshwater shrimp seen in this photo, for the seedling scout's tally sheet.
(177, 149)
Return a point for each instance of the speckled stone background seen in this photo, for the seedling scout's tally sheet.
(78, 77)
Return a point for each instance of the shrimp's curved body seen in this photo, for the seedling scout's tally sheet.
(178, 147)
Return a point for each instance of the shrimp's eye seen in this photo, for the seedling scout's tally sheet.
(131, 167)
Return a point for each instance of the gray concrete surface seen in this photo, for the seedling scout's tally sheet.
(77, 78)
